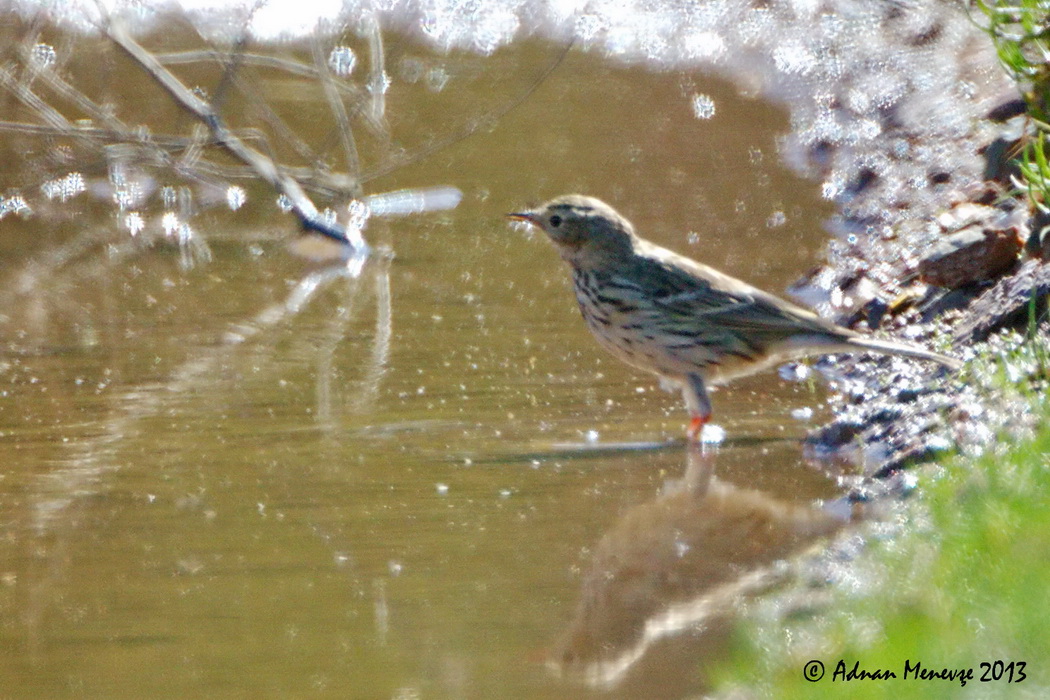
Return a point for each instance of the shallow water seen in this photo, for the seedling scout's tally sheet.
(426, 481)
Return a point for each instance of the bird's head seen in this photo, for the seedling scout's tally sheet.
(587, 231)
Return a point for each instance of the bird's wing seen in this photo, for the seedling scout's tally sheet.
(696, 294)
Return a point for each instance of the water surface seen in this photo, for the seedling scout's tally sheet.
(253, 477)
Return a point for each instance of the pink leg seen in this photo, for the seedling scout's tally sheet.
(699, 406)
(696, 426)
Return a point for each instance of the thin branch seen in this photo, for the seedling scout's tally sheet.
(277, 63)
(377, 79)
(335, 103)
(57, 84)
(264, 111)
(31, 100)
(468, 130)
(263, 166)
(232, 61)
(94, 133)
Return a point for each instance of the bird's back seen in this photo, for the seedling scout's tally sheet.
(671, 315)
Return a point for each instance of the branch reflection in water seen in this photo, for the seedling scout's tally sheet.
(43, 284)
(92, 463)
(677, 564)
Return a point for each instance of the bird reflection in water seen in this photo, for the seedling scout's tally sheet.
(678, 563)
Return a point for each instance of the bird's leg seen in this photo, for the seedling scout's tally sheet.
(699, 405)
(696, 426)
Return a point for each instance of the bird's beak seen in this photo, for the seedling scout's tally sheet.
(526, 216)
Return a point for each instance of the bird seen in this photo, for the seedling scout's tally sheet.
(684, 321)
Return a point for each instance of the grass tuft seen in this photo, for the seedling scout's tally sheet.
(1020, 31)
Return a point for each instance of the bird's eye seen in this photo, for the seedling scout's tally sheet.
(555, 221)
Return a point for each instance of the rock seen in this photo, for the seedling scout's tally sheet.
(1006, 304)
(943, 300)
(872, 313)
(963, 215)
(1008, 109)
(974, 254)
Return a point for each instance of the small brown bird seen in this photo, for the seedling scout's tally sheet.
(685, 322)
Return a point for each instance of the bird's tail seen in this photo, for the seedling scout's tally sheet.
(893, 347)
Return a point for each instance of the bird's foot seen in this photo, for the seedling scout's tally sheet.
(696, 427)
(702, 432)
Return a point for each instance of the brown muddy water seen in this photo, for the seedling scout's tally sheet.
(246, 478)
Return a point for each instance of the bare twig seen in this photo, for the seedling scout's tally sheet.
(97, 134)
(263, 166)
(31, 100)
(264, 111)
(468, 130)
(335, 103)
(57, 84)
(377, 79)
(277, 63)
